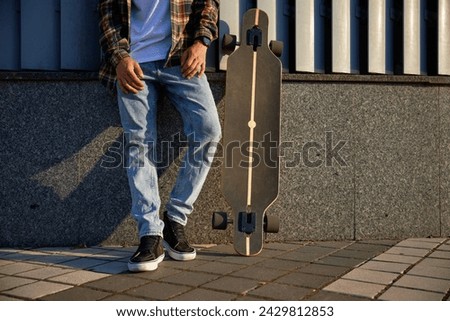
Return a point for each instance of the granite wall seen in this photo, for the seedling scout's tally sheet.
(360, 160)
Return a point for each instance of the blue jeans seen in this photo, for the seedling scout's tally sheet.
(194, 101)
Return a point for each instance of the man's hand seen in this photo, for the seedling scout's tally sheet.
(193, 60)
(129, 75)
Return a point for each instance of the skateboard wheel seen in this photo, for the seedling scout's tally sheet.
(271, 224)
(219, 221)
(276, 47)
(229, 43)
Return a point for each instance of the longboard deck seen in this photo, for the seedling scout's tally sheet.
(251, 132)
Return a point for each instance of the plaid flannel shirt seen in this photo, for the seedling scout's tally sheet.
(190, 19)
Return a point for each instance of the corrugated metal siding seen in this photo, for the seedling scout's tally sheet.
(10, 34)
(79, 35)
(343, 36)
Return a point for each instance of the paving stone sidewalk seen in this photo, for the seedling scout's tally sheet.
(412, 269)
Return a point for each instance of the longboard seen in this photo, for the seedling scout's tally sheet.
(250, 175)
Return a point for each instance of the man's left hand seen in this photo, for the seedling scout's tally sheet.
(193, 60)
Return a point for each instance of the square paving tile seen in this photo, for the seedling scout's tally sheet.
(52, 259)
(285, 292)
(219, 268)
(281, 247)
(242, 260)
(7, 251)
(271, 253)
(430, 271)
(423, 283)
(9, 298)
(367, 247)
(222, 249)
(190, 278)
(370, 276)
(116, 283)
(279, 264)
(305, 280)
(84, 263)
(429, 240)
(37, 289)
(259, 273)
(232, 284)
(417, 244)
(158, 291)
(440, 255)
(408, 251)
(180, 265)
(334, 296)
(397, 258)
(122, 297)
(321, 269)
(5, 262)
(443, 263)
(341, 261)
(111, 255)
(77, 294)
(155, 275)
(402, 294)
(386, 243)
(334, 244)
(354, 254)
(350, 287)
(302, 256)
(312, 248)
(83, 252)
(111, 268)
(204, 295)
(79, 277)
(11, 282)
(23, 256)
(45, 272)
(385, 266)
(17, 268)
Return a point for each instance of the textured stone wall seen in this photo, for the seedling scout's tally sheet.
(359, 161)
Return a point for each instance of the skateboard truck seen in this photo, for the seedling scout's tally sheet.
(247, 222)
(254, 36)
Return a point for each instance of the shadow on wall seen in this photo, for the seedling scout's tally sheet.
(62, 178)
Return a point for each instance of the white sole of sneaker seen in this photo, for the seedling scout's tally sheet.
(145, 266)
(179, 256)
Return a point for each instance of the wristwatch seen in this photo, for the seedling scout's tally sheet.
(204, 40)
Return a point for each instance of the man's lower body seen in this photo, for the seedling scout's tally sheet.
(194, 101)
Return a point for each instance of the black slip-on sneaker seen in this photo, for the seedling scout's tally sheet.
(148, 255)
(175, 241)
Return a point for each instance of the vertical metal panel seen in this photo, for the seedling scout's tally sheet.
(79, 35)
(377, 36)
(231, 12)
(40, 34)
(380, 36)
(304, 35)
(278, 12)
(444, 37)
(309, 41)
(10, 34)
(341, 36)
(414, 37)
(345, 37)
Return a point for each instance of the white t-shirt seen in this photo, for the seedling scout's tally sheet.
(151, 30)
